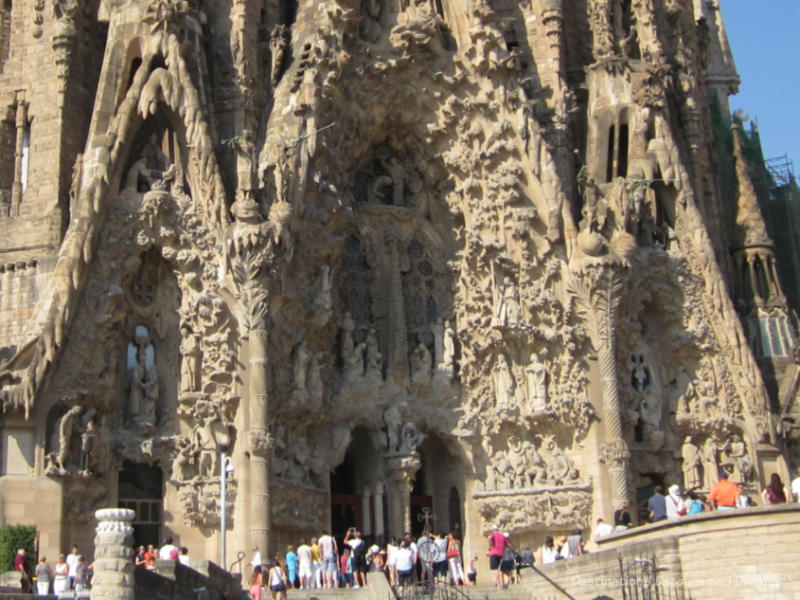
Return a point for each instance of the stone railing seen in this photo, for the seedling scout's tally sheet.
(748, 553)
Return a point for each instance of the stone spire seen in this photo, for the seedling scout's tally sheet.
(721, 74)
(750, 228)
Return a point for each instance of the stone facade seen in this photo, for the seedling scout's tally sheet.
(386, 256)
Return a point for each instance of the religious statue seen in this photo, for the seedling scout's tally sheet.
(301, 358)
(420, 364)
(68, 428)
(190, 360)
(504, 385)
(448, 348)
(508, 312)
(143, 395)
(737, 461)
(374, 364)
(536, 376)
(209, 435)
(691, 464)
(708, 453)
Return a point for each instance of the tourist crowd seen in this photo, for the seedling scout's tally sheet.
(322, 563)
(70, 572)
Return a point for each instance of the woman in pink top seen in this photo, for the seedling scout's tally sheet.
(497, 547)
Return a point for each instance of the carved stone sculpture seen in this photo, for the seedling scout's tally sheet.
(508, 312)
(692, 465)
(536, 375)
(190, 361)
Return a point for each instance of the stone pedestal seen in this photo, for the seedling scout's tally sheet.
(113, 555)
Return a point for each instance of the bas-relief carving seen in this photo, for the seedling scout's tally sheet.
(483, 349)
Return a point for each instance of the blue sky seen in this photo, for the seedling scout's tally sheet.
(764, 38)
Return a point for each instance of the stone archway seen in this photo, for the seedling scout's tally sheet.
(440, 479)
(357, 489)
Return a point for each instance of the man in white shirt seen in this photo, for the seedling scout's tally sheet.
(549, 551)
(72, 562)
(256, 560)
(329, 552)
(796, 486)
(168, 551)
(304, 565)
(603, 529)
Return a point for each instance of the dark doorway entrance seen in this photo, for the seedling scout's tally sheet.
(141, 490)
(345, 503)
(420, 501)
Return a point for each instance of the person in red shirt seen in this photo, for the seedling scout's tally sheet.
(497, 547)
(21, 566)
(724, 493)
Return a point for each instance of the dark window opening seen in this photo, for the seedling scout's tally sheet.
(288, 12)
(610, 155)
(622, 151)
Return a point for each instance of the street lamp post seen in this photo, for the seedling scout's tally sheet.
(225, 467)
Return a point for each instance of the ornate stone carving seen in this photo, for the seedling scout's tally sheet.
(113, 551)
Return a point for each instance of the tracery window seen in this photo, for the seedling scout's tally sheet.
(357, 278)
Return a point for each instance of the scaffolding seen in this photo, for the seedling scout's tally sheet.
(781, 169)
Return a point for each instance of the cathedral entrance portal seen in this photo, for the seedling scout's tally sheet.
(358, 496)
(141, 490)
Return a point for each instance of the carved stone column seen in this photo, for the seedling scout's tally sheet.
(598, 288)
(378, 503)
(113, 554)
(366, 522)
(258, 437)
(397, 370)
(403, 468)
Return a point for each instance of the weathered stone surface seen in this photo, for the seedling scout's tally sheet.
(472, 258)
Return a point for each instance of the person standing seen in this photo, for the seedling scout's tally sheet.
(72, 562)
(622, 518)
(676, 505)
(497, 547)
(657, 505)
(256, 583)
(21, 565)
(183, 557)
(43, 574)
(168, 551)
(291, 566)
(316, 564)
(440, 563)
(404, 558)
(256, 560)
(796, 486)
(277, 581)
(454, 566)
(602, 529)
(329, 551)
(549, 552)
(724, 494)
(775, 492)
(61, 581)
(304, 565)
(81, 576)
(358, 556)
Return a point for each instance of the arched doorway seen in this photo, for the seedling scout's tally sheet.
(439, 485)
(357, 489)
(141, 490)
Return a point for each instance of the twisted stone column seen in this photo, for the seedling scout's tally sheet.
(598, 288)
(113, 555)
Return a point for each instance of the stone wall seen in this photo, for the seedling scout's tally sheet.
(174, 581)
(722, 556)
(20, 283)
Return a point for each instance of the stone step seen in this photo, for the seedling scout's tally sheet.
(323, 594)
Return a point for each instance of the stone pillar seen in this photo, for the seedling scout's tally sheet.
(366, 521)
(403, 468)
(113, 555)
(598, 288)
(21, 123)
(378, 503)
(258, 436)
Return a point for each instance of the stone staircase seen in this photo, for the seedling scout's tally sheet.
(382, 591)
